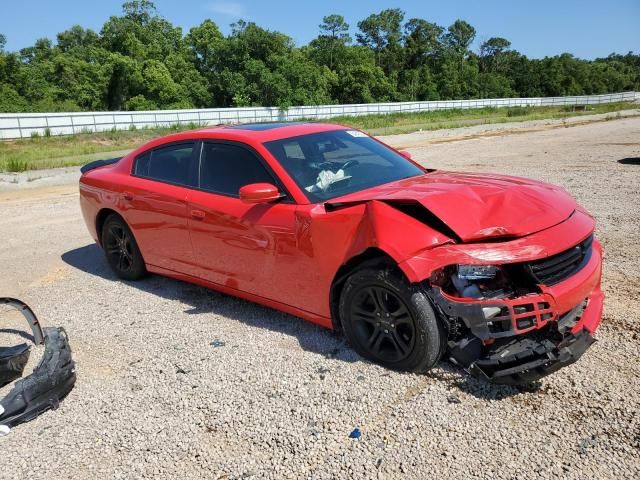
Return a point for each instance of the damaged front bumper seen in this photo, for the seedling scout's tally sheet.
(530, 336)
(526, 360)
(51, 380)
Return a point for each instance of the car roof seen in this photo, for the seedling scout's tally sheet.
(266, 131)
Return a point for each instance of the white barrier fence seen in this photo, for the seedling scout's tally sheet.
(25, 125)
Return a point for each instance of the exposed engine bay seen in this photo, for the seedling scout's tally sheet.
(504, 322)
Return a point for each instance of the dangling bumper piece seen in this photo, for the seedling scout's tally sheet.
(50, 381)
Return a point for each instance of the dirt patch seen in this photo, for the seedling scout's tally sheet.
(39, 194)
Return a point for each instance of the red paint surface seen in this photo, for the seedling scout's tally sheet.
(477, 207)
(286, 255)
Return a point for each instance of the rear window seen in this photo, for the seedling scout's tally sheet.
(170, 164)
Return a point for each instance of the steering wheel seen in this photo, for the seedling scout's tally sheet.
(350, 163)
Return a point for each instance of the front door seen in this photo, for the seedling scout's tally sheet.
(248, 247)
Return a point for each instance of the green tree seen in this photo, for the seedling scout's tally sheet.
(250, 67)
(194, 86)
(360, 80)
(11, 101)
(141, 12)
(422, 41)
(42, 51)
(205, 43)
(76, 38)
(491, 53)
(459, 37)
(335, 27)
(140, 33)
(382, 32)
(140, 60)
(80, 82)
(333, 38)
(417, 84)
(125, 79)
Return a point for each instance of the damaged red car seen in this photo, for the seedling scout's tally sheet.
(500, 274)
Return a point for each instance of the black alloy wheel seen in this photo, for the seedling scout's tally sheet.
(382, 323)
(121, 249)
(390, 321)
(118, 248)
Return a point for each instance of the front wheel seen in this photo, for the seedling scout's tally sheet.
(391, 322)
(121, 249)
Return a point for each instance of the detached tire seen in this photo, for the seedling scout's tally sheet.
(391, 322)
(121, 249)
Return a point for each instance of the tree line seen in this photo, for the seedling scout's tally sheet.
(140, 61)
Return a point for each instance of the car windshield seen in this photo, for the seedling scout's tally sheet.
(331, 164)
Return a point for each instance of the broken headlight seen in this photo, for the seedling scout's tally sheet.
(474, 281)
(478, 272)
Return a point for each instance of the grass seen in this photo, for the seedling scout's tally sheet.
(47, 151)
(397, 123)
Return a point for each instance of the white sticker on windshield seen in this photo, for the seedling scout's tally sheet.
(356, 133)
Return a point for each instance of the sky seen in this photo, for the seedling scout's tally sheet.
(586, 28)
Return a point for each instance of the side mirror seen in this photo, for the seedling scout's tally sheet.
(405, 154)
(259, 193)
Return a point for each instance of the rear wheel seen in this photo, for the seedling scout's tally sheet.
(121, 249)
(391, 322)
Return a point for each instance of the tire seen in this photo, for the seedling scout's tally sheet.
(391, 322)
(121, 250)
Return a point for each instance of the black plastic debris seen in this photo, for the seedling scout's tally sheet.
(50, 381)
(37, 336)
(453, 399)
(14, 359)
(12, 362)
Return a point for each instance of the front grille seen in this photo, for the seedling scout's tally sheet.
(561, 266)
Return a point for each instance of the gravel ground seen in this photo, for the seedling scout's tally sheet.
(176, 381)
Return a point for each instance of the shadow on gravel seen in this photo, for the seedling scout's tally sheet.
(630, 161)
(20, 333)
(311, 337)
(454, 377)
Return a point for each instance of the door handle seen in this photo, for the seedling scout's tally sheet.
(197, 214)
(127, 195)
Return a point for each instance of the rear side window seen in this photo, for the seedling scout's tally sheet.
(170, 164)
(225, 168)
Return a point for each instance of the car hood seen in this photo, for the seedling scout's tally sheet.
(477, 206)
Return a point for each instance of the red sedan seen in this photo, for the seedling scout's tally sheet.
(324, 222)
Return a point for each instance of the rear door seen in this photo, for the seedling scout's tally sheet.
(249, 247)
(156, 204)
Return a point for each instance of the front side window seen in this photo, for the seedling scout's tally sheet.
(226, 168)
(331, 164)
(170, 164)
